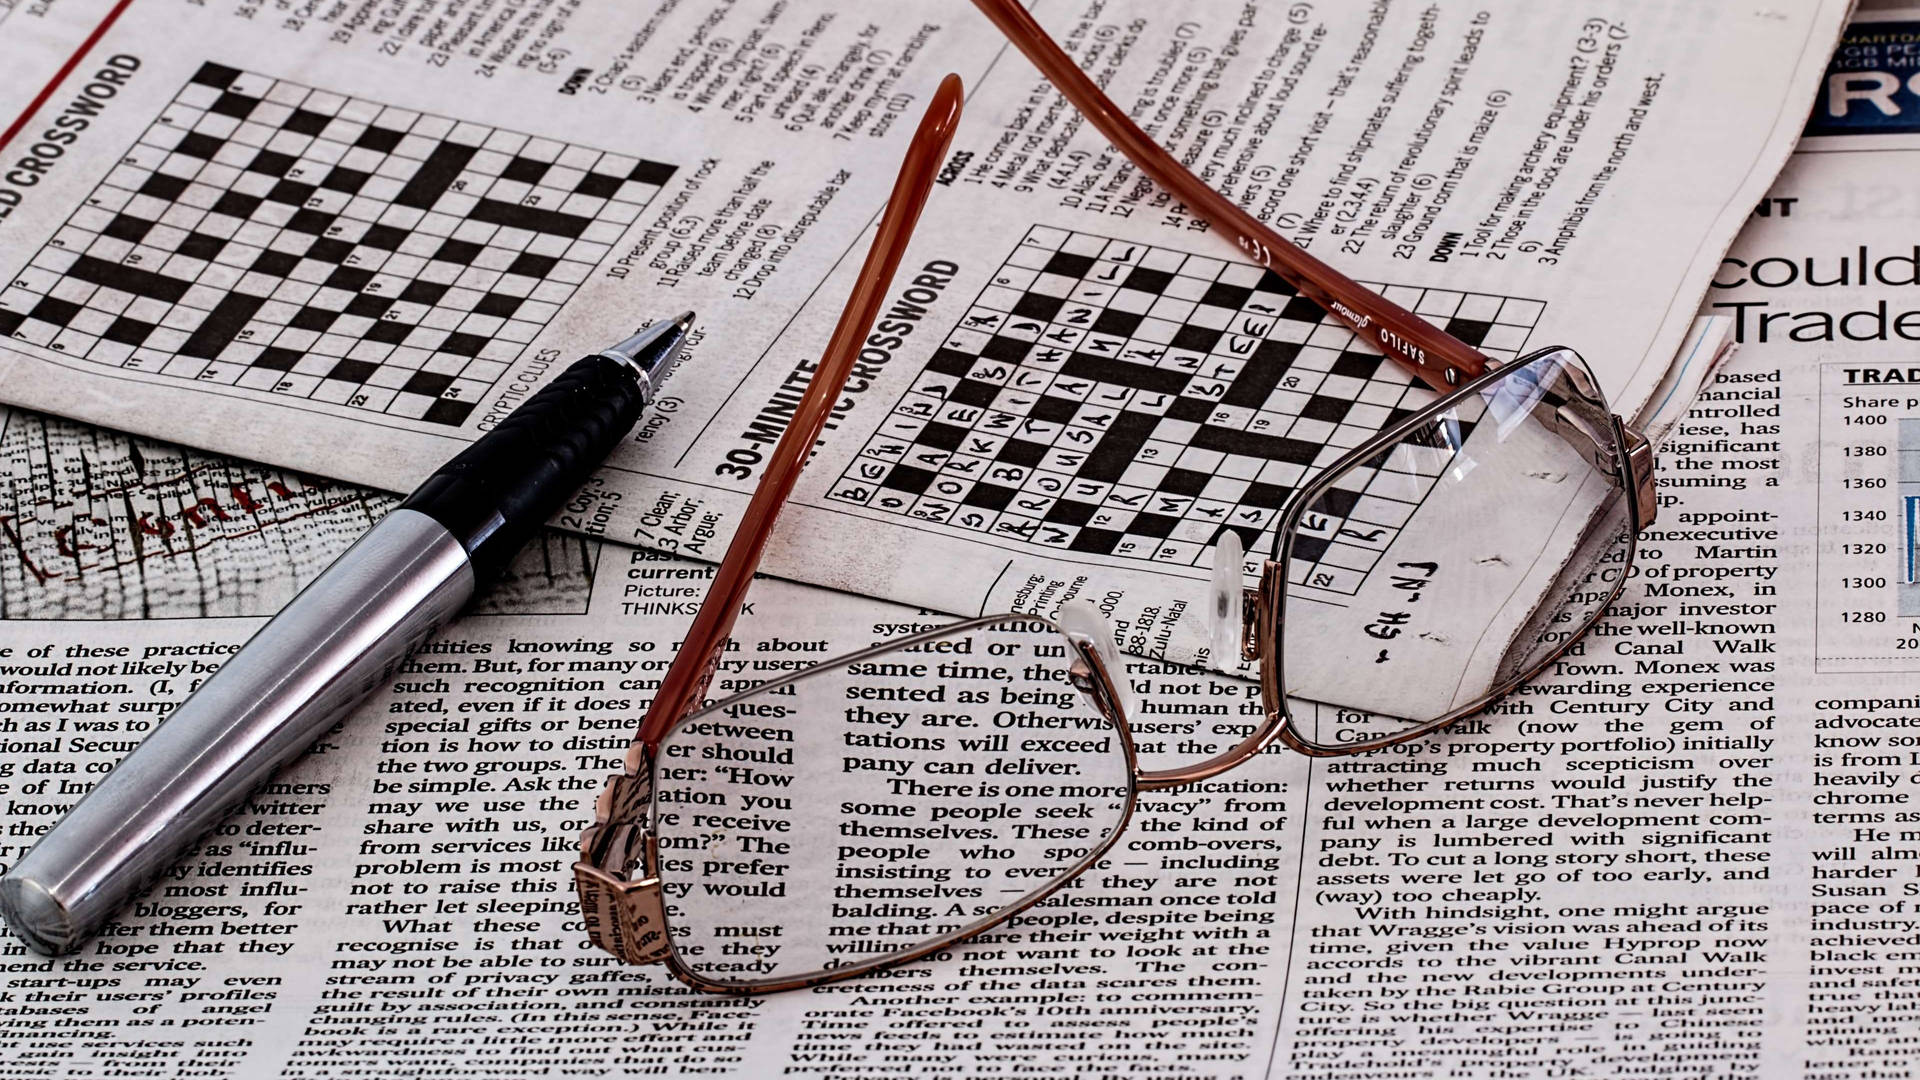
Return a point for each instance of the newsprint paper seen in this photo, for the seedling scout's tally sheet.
(1691, 850)
(347, 238)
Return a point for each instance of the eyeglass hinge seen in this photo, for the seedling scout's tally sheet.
(1640, 474)
(1256, 610)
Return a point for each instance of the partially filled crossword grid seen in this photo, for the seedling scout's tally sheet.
(270, 236)
(1117, 398)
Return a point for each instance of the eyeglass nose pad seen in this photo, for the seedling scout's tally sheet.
(1224, 614)
(1081, 623)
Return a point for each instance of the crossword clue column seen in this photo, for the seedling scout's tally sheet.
(271, 237)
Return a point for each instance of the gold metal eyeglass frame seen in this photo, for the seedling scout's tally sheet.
(618, 875)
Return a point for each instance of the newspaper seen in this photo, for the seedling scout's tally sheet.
(1688, 851)
(1632, 867)
(344, 239)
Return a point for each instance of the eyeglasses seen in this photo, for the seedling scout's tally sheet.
(879, 808)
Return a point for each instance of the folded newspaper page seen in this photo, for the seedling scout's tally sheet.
(345, 240)
(1681, 853)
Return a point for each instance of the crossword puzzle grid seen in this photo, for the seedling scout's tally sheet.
(1117, 398)
(266, 235)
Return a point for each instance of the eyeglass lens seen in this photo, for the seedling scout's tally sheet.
(1452, 563)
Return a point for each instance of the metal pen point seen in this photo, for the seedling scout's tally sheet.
(332, 645)
(649, 362)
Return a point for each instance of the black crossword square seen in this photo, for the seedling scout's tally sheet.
(1301, 309)
(452, 413)
(366, 306)
(306, 122)
(1357, 365)
(1195, 338)
(498, 305)
(387, 331)
(430, 383)
(950, 362)
(234, 204)
(1265, 496)
(1157, 525)
(973, 392)
(464, 344)
(314, 319)
(127, 331)
(291, 192)
(199, 245)
(311, 222)
(1038, 306)
(989, 497)
(1271, 282)
(165, 188)
(596, 186)
(274, 358)
(11, 321)
(651, 172)
(943, 436)
(350, 278)
(1069, 265)
(459, 251)
(1330, 409)
(524, 170)
(1053, 410)
(1005, 349)
(1118, 323)
(128, 228)
(1336, 501)
(383, 237)
(909, 479)
(1096, 541)
(1471, 331)
(423, 292)
(1307, 548)
(54, 310)
(379, 140)
(199, 144)
(1070, 512)
(1021, 453)
(327, 249)
(1145, 280)
(277, 263)
(533, 266)
(238, 106)
(346, 180)
(217, 76)
(272, 163)
(1279, 354)
(1184, 482)
(1192, 410)
(1221, 294)
(353, 371)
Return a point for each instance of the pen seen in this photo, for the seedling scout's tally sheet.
(334, 644)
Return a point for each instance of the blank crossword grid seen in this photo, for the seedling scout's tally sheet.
(1116, 398)
(267, 235)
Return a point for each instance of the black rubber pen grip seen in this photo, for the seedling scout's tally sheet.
(495, 494)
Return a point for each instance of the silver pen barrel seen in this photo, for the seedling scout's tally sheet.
(340, 639)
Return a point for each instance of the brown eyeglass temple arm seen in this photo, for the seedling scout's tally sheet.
(1428, 352)
(685, 686)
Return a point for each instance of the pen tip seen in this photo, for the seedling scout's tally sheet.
(684, 320)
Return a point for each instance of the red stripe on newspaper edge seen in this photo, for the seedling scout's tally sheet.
(60, 76)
